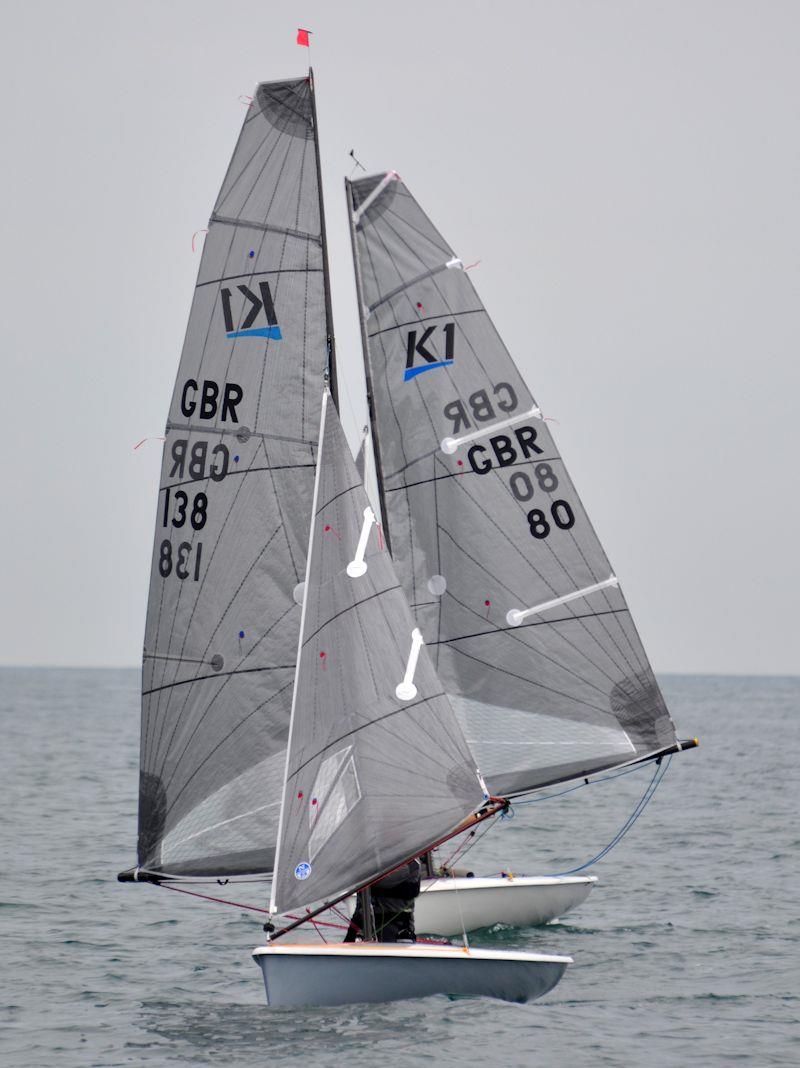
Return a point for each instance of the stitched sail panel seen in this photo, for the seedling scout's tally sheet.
(491, 523)
(233, 510)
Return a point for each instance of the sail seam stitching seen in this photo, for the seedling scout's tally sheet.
(365, 726)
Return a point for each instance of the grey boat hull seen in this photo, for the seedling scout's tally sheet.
(374, 972)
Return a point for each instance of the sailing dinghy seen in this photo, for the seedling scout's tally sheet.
(507, 899)
(230, 555)
(240, 458)
(377, 769)
(521, 611)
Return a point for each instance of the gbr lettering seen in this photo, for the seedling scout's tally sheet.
(534, 480)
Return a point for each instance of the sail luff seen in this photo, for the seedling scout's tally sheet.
(332, 372)
(487, 524)
(299, 658)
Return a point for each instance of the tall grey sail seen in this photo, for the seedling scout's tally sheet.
(530, 634)
(234, 507)
(377, 766)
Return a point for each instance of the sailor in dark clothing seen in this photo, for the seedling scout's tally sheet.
(392, 906)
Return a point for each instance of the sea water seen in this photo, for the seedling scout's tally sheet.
(686, 952)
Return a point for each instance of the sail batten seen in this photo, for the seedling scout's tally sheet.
(485, 524)
(267, 228)
(234, 506)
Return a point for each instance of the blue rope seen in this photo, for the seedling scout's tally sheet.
(652, 786)
(582, 785)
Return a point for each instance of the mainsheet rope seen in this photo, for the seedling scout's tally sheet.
(652, 786)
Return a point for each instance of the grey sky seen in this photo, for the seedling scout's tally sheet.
(627, 173)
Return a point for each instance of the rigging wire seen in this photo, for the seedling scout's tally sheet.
(660, 771)
(581, 785)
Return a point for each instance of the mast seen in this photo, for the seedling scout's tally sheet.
(373, 425)
(332, 379)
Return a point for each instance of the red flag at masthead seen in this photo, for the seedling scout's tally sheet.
(302, 37)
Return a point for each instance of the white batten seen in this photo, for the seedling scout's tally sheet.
(358, 565)
(449, 445)
(455, 264)
(376, 192)
(406, 690)
(518, 615)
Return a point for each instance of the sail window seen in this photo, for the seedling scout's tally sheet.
(334, 795)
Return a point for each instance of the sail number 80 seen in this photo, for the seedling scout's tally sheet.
(561, 513)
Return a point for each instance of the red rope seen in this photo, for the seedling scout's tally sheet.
(218, 900)
(322, 923)
(240, 905)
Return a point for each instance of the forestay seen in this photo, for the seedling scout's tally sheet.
(510, 585)
(234, 507)
(371, 777)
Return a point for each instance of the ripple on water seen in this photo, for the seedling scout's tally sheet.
(685, 953)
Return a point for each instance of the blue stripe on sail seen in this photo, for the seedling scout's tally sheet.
(412, 372)
(261, 331)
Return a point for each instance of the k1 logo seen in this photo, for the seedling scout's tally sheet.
(246, 328)
(415, 348)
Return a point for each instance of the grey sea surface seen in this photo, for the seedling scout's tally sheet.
(687, 952)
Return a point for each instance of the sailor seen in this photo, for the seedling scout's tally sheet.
(392, 906)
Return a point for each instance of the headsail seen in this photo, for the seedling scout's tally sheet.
(234, 507)
(375, 770)
(512, 590)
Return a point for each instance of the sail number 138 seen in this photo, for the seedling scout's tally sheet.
(184, 560)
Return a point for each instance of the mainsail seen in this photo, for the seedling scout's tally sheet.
(377, 766)
(234, 507)
(528, 629)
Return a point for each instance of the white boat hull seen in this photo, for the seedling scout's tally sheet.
(351, 973)
(448, 906)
